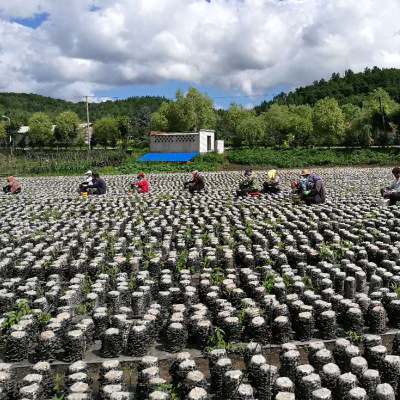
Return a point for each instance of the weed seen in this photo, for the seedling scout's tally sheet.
(13, 317)
(355, 338)
(181, 261)
(396, 289)
(307, 282)
(268, 283)
(217, 277)
(217, 340)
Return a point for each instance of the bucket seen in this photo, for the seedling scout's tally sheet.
(84, 194)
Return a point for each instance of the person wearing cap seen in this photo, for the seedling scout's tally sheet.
(312, 188)
(272, 184)
(392, 192)
(13, 186)
(142, 185)
(89, 178)
(83, 187)
(196, 184)
(249, 186)
(98, 185)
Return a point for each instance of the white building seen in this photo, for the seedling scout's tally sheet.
(185, 142)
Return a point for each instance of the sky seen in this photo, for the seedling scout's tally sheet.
(235, 50)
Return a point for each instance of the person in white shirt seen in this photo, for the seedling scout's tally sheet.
(83, 187)
(89, 178)
(393, 191)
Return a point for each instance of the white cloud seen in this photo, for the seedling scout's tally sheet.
(245, 45)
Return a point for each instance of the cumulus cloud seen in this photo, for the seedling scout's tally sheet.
(240, 45)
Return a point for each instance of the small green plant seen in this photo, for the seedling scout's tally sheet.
(43, 318)
(217, 277)
(396, 289)
(247, 230)
(205, 238)
(355, 338)
(288, 283)
(132, 283)
(308, 282)
(170, 389)
(181, 261)
(57, 390)
(268, 283)
(217, 340)
(85, 308)
(13, 317)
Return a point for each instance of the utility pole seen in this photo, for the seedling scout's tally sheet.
(383, 121)
(9, 121)
(87, 120)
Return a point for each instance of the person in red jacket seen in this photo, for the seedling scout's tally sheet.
(142, 186)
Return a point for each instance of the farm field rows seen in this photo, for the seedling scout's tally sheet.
(208, 295)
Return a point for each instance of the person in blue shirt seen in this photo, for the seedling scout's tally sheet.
(98, 185)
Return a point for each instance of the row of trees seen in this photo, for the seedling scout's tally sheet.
(323, 124)
(68, 130)
(326, 123)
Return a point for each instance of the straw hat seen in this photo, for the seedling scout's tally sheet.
(305, 172)
(272, 174)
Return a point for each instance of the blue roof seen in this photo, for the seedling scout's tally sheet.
(177, 157)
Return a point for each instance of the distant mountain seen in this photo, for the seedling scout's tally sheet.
(20, 106)
(349, 88)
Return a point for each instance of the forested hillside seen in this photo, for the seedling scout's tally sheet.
(350, 88)
(20, 107)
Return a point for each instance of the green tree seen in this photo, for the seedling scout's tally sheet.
(67, 127)
(40, 129)
(277, 122)
(124, 127)
(105, 131)
(251, 129)
(382, 111)
(299, 125)
(229, 122)
(194, 108)
(3, 133)
(328, 122)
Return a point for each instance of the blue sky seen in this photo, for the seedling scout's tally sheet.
(32, 22)
(231, 49)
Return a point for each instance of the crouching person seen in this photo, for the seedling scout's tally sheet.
(141, 186)
(272, 184)
(98, 185)
(12, 187)
(313, 188)
(249, 186)
(392, 192)
(196, 184)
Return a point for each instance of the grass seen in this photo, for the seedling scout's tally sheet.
(110, 162)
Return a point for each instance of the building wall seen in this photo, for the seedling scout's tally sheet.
(219, 146)
(203, 140)
(174, 143)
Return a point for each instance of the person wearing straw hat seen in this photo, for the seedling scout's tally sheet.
(312, 187)
(272, 184)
